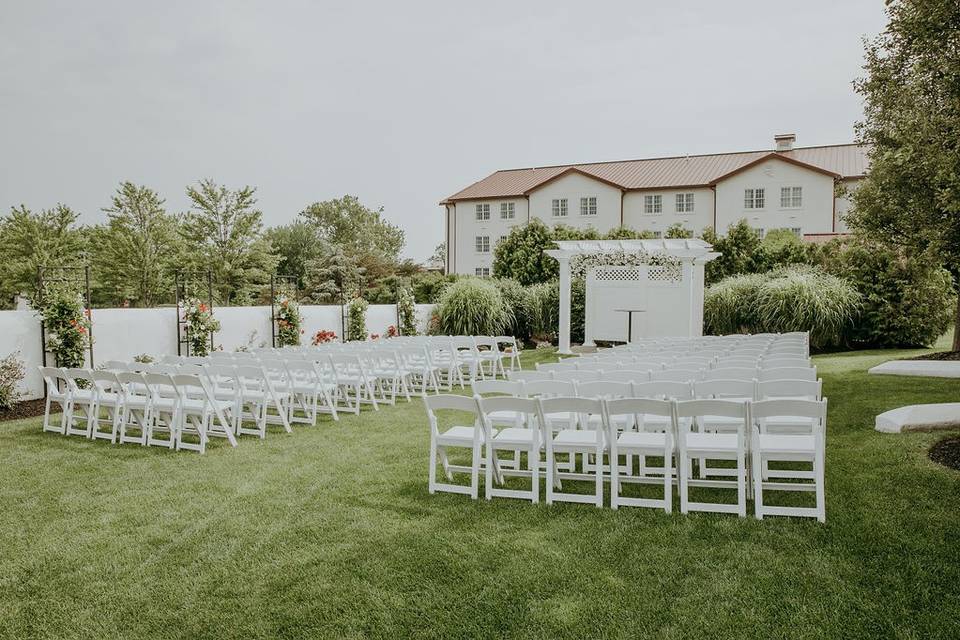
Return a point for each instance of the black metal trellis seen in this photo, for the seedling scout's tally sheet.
(182, 282)
(279, 284)
(80, 276)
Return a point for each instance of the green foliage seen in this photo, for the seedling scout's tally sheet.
(540, 311)
(357, 319)
(407, 311)
(907, 299)
(332, 277)
(677, 230)
(626, 233)
(222, 232)
(136, 253)
(427, 285)
(783, 300)
(30, 240)
(298, 245)
(12, 373)
(289, 321)
(739, 252)
(67, 323)
(472, 307)
(438, 260)
(513, 294)
(911, 195)
(520, 256)
(781, 247)
(357, 229)
(200, 325)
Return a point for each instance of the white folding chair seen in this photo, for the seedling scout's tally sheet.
(713, 446)
(641, 444)
(792, 448)
(57, 387)
(468, 435)
(488, 352)
(571, 441)
(135, 416)
(524, 436)
(110, 399)
(530, 376)
(510, 351)
(83, 397)
(164, 410)
(788, 373)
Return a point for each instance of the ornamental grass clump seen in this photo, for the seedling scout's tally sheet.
(471, 307)
(783, 300)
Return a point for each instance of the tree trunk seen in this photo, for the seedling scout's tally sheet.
(956, 327)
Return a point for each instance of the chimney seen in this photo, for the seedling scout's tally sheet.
(785, 141)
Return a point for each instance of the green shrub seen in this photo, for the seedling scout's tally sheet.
(907, 300)
(11, 373)
(540, 311)
(786, 299)
(514, 297)
(472, 307)
(357, 319)
(551, 310)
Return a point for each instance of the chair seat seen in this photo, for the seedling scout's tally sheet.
(711, 441)
(642, 439)
(459, 436)
(516, 435)
(575, 437)
(778, 443)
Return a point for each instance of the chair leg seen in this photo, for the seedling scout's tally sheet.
(667, 480)
(475, 472)
(599, 472)
(758, 464)
(615, 477)
(488, 472)
(684, 487)
(741, 485)
(533, 461)
(818, 473)
(432, 474)
(550, 474)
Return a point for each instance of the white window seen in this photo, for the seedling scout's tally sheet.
(761, 233)
(507, 211)
(483, 272)
(653, 204)
(753, 198)
(559, 207)
(483, 212)
(657, 234)
(483, 244)
(791, 197)
(797, 231)
(588, 206)
(502, 238)
(684, 203)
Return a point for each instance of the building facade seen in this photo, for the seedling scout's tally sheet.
(800, 189)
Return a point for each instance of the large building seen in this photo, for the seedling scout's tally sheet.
(787, 187)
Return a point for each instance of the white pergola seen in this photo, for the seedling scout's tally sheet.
(691, 253)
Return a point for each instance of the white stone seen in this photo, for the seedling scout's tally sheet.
(928, 368)
(920, 417)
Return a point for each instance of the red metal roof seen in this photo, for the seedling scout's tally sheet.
(845, 160)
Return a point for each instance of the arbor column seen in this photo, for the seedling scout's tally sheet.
(564, 333)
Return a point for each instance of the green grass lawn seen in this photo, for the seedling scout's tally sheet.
(330, 532)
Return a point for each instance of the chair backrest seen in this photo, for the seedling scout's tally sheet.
(77, 376)
(451, 402)
(529, 376)
(788, 373)
(577, 376)
(639, 406)
(604, 389)
(160, 385)
(627, 376)
(558, 366)
(567, 406)
(55, 379)
(779, 389)
(526, 406)
(724, 388)
(549, 388)
(115, 365)
(650, 365)
(502, 387)
(486, 342)
(732, 373)
(676, 375)
(712, 407)
(792, 407)
(105, 380)
(668, 389)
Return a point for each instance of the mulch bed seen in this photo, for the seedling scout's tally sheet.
(23, 409)
(939, 355)
(947, 453)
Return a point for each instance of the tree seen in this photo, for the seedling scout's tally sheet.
(626, 233)
(29, 240)
(739, 252)
(677, 230)
(135, 254)
(297, 245)
(439, 258)
(911, 195)
(520, 256)
(348, 224)
(333, 276)
(223, 233)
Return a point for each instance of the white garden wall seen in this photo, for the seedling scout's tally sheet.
(121, 334)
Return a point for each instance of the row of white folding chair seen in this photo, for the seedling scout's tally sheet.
(482, 437)
(679, 374)
(143, 408)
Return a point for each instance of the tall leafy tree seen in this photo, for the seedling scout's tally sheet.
(297, 245)
(333, 277)
(357, 229)
(223, 232)
(911, 195)
(136, 253)
(29, 240)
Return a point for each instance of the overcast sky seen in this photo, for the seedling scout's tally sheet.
(402, 103)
